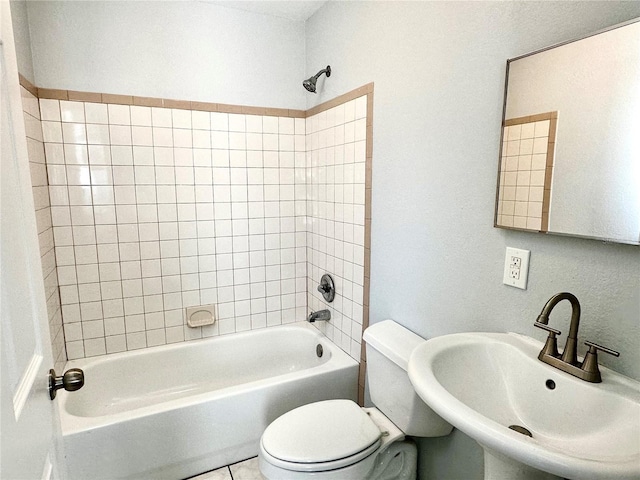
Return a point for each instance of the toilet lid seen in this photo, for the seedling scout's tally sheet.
(320, 432)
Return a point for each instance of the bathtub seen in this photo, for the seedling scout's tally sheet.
(174, 411)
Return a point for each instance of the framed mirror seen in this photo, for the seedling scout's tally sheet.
(570, 145)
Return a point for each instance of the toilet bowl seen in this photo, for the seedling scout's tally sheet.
(338, 440)
(335, 439)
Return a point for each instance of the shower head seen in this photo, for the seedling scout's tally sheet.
(310, 83)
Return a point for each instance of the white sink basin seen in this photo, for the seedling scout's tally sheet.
(482, 383)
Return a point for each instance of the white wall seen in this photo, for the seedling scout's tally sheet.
(437, 262)
(181, 50)
(20, 22)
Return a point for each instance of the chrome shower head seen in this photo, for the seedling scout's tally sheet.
(310, 83)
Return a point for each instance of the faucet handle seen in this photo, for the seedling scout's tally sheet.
(551, 345)
(327, 288)
(590, 364)
(552, 331)
(594, 347)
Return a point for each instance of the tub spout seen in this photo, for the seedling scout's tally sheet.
(319, 315)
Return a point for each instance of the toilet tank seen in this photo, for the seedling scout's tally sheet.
(389, 346)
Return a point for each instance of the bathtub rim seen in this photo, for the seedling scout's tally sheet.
(72, 424)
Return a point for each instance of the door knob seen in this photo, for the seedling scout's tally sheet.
(71, 380)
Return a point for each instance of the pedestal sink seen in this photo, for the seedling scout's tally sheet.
(484, 383)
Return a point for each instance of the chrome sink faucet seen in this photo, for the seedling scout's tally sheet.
(319, 315)
(568, 362)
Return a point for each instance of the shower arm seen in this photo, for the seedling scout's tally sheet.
(324, 70)
(310, 83)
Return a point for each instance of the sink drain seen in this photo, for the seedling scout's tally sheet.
(521, 430)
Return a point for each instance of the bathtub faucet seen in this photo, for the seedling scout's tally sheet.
(319, 315)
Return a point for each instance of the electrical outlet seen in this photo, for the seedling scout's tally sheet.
(516, 268)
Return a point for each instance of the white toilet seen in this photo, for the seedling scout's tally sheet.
(338, 440)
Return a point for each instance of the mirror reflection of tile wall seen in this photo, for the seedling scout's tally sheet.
(526, 170)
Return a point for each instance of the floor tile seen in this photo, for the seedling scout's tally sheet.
(219, 474)
(247, 470)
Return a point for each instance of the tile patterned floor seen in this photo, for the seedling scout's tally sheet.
(247, 470)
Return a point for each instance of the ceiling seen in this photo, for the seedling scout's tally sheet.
(298, 10)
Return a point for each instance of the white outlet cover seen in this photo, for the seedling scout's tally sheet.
(510, 263)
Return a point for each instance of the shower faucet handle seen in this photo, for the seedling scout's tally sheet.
(327, 287)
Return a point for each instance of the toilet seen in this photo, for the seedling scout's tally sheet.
(339, 440)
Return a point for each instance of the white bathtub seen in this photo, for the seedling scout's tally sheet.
(174, 411)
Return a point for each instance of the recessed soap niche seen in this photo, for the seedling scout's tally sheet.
(200, 316)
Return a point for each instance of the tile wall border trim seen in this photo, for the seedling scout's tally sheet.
(78, 96)
(531, 118)
(30, 87)
(344, 98)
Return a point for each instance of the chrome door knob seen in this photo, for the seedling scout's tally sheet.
(71, 380)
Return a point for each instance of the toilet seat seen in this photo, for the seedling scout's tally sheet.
(320, 436)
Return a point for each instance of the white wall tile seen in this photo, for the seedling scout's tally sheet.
(140, 116)
(142, 136)
(50, 110)
(119, 115)
(190, 206)
(74, 133)
(72, 111)
(342, 182)
(161, 117)
(181, 118)
(120, 134)
(136, 340)
(96, 113)
(116, 343)
(52, 131)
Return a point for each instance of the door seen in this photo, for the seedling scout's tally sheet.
(30, 436)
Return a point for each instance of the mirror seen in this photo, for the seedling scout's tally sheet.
(570, 146)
